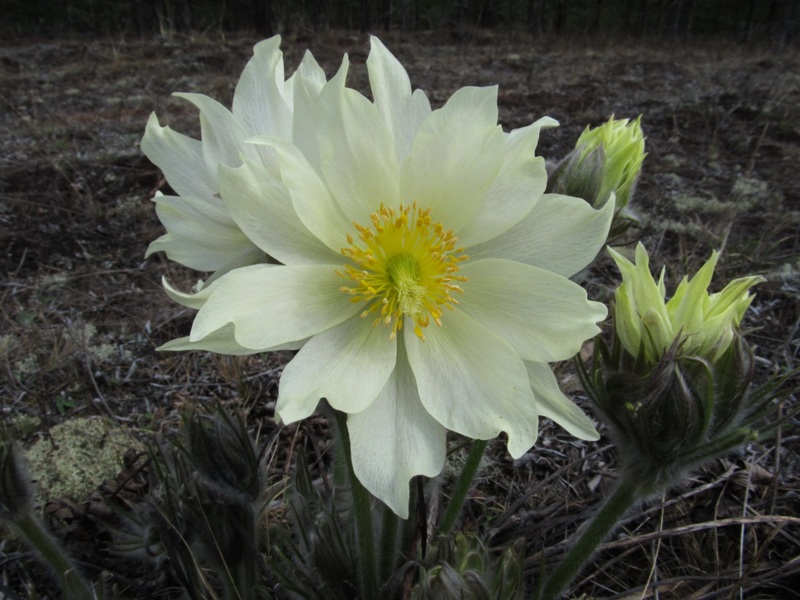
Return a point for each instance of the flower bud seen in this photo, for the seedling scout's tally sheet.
(606, 160)
(675, 386)
(682, 411)
(225, 457)
(462, 567)
(702, 324)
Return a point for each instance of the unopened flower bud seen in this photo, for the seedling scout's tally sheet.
(672, 416)
(675, 387)
(603, 167)
(703, 324)
(225, 456)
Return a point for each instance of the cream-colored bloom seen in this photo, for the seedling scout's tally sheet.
(705, 322)
(423, 273)
(200, 232)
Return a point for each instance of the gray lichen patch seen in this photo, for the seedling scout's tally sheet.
(79, 455)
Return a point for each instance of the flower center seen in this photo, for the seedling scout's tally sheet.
(406, 265)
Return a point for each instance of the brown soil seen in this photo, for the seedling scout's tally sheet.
(81, 310)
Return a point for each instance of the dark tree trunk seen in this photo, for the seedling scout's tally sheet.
(642, 17)
(263, 20)
(594, 26)
(410, 15)
(788, 23)
(534, 17)
(364, 16)
(319, 14)
(560, 21)
(136, 12)
(387, 14)
(183, 18)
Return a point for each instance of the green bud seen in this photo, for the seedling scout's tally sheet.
(460, 566)
(698, 323)
(667, 418)
(224, 455)
(675, 388)
(607, 160)
(603, 167)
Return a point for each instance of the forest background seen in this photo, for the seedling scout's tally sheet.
(742, 20)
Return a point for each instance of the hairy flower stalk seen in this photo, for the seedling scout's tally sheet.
(17, 513)
(674, 389)
(417, 266)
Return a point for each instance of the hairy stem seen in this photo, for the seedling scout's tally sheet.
(601, 526)
(362, 514)
(75, 587)
(463, 486)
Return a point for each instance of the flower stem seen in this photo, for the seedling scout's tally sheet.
(75, 587)
(388, 545)
(463, 486)
(362, 514)
(603, 523)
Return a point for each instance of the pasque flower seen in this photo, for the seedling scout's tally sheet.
(675, 387)
(422, 273)
(200, 232)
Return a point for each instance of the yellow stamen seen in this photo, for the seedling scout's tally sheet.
(406, 265)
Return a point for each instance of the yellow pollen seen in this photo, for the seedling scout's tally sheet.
(405, 265)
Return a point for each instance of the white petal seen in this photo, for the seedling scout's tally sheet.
(519, 185)
(311, 199)
(253, 257)
(395, 439)
(456, 156)
(259, 101)
(261, 206)
(553, 404)
(311, 72)
(221, 341)
(195, 300)
(180, 158)
(544, 316)
(347, 364)
(271, 305)
(307, 113)
(561, 234)
(391, 89)
(200, 234)
(222, 133)
(473, 382)
(356, 154)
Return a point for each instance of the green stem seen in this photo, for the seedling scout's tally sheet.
(603, 523)
(463, 486)
(43, 542)
(388, 548)
(362, 514)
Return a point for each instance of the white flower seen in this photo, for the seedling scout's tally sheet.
(424, 275)
(200, 232)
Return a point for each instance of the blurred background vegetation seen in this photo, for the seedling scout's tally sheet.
(773, 21)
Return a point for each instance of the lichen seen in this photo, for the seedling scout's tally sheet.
(78, 456)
